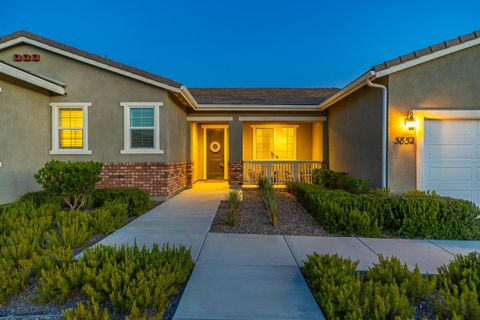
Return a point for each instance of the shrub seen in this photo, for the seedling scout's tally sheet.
(270, 198)
(388, 290)
(41, 197)
(91, 311)
(458, 285)
(411, 215)
(125, 276)
(72, 181)
(338, 180)
(138, 201)
(233, 198)
(109, 217)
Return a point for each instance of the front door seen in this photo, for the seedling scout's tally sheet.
(215, 156)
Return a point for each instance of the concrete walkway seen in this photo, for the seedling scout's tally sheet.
(182, 220)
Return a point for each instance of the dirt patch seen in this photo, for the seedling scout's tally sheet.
(253, 217)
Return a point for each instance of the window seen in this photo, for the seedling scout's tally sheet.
(141, 122)
(274, 142)
(70, 128)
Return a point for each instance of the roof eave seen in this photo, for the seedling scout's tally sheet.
(348, 89)
(257, 107)
(31, 79)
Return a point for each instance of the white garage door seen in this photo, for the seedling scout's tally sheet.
(451, 159)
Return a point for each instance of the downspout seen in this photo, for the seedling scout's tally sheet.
(384, 129)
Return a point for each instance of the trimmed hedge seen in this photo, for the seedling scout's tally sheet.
(388, 290)
(411, 215)
(138, 201)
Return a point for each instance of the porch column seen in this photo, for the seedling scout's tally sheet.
(235, 156)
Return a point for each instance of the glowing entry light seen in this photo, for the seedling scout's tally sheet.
(410, 121)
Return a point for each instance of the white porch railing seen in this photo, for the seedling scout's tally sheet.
(279, 172)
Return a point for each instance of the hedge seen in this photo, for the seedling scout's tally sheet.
(389, 290)
(409, 215)
(138, 201)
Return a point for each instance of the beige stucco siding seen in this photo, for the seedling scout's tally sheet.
(104, 90)
(355, 135)
(22, 143)
(449, 82)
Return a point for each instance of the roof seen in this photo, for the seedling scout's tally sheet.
(90, 56)
(36, 80)
(427, 50)
(262, 96)
(403, 62)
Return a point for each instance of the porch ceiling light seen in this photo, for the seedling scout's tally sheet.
(410, 121)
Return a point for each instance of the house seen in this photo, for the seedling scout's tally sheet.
(411, 122)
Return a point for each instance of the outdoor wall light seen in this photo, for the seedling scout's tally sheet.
(410, 121)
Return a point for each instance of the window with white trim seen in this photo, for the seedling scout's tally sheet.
(70, 128)
(274, 142)
(141, 127)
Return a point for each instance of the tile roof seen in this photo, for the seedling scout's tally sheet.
(90, 56)
(425, 51)
(262, 96)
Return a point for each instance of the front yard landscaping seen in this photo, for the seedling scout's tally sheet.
(41, 233)
(345, 206)
(253, 217)
(388, 290)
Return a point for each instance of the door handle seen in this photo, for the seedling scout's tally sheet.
(221, 165)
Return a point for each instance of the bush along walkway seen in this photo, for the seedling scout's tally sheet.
(246, 276)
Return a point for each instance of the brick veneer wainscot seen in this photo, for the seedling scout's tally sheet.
(156, 178)
(235, 172)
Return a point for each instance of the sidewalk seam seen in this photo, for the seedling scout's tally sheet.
(291, 251)
(430, 241)
(366, 245)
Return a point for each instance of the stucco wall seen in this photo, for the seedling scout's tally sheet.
(449, 82)
(355, 135)
(22, 143)
(104, 90)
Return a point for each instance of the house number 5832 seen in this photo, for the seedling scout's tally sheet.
(404, 140)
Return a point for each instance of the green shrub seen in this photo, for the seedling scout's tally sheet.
(109, 217)
(138, 201)
(74, 182)
(263, 183)
(73, 228)
(387, 291)
(411, 215)
(458, 285)
(233, 198)
(90, 311)
(338, 180)
(125, 276)
(41, 197)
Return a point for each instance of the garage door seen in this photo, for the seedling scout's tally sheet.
(451, 160)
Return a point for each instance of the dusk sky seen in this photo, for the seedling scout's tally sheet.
(246, 43)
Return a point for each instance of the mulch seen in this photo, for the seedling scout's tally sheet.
(253, 217)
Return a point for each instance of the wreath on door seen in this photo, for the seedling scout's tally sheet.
(215, 146)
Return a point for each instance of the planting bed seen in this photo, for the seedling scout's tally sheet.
(254, 218)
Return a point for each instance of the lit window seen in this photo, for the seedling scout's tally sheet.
(141, 128)
(70, 128)
(275, 143)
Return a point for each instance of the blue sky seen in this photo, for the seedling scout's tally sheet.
(271, 43)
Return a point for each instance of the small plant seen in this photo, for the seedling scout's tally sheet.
(91, 311)
(74, 182)
(270, 198)
(138, 201)
(233, 198)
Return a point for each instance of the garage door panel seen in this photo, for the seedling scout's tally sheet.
(447, 174)
(450, 151)
(451, 159)
(451, 129)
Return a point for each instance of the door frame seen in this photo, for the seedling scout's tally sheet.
(435, 114)
(224, 127)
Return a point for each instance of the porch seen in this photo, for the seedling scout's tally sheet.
(242, 149)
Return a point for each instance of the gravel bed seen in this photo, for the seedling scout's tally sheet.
(253, 217)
